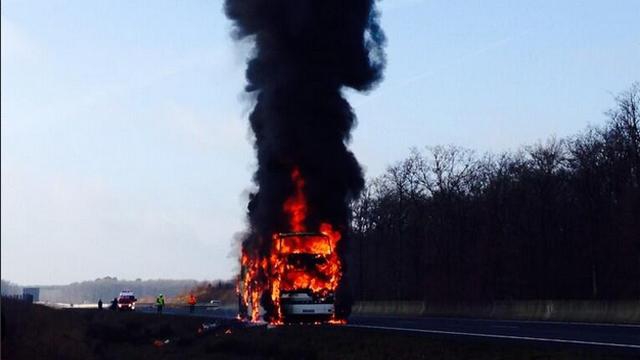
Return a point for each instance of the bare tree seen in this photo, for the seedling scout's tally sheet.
(556, 220)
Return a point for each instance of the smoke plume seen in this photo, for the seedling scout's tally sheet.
(305, 53)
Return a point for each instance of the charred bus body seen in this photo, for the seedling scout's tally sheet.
(304, 272)
(306, 287)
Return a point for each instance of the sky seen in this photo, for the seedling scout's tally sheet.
(125, 148)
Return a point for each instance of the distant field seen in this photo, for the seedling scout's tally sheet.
(38, 332)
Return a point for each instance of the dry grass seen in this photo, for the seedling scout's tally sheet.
(36, 332)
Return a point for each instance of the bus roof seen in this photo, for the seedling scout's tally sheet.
(301, 234)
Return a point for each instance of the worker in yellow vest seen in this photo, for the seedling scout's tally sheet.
(160, 303)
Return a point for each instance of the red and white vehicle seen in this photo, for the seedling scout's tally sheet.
(127, 300)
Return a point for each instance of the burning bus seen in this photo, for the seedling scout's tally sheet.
(304, 275)
(299, 277)
(305, 289)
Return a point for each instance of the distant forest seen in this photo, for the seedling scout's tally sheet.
(9, 288)
(554, 220)
(109, 287)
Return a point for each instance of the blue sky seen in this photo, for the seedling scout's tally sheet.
(125, 147)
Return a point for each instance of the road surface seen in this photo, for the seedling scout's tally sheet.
(200, 310)
(597, 335)
(613, 336)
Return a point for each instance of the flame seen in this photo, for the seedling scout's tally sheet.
(277, 273)
(296, 205)
(251, 289)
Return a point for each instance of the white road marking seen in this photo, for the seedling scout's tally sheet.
(542, 322)
(582, 323)
(505, 327)
(529, 338)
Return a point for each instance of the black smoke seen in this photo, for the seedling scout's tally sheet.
(305, 53)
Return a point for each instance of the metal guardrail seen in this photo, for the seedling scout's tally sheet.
(547, 310)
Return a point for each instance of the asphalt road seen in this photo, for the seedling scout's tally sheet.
(613, 336)
(200, 310)
(592, 335)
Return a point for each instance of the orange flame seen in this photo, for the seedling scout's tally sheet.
(283, 276)
(296, 205)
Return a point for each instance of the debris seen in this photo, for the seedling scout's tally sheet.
(207, 327)
(160, 343)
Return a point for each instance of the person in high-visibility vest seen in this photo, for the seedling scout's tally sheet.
(192, 302)
(160, 303)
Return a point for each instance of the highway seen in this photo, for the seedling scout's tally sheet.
(612, 336)
(592, 335)
(200, 310)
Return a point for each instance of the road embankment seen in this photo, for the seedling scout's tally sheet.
(619, 312)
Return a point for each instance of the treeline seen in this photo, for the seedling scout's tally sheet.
(9, 288)
(556, 220)
(146, 290)
(109, 287)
